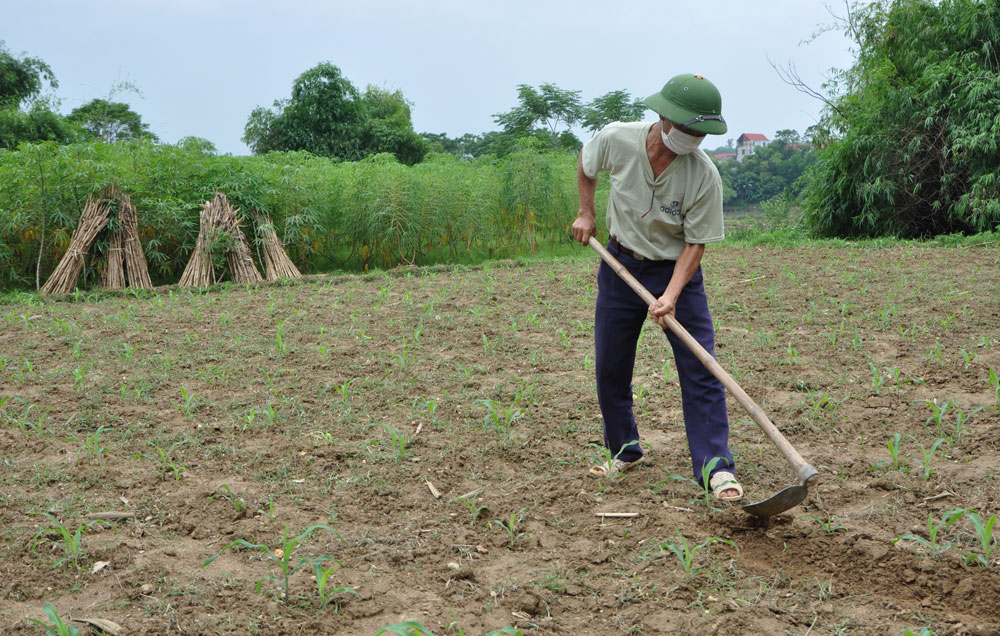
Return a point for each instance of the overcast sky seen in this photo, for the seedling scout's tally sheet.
(203, 65)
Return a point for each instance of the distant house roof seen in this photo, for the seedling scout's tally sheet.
(800, 146)
(723, 156)
(751, 137)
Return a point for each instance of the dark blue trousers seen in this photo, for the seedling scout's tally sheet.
(619, 317)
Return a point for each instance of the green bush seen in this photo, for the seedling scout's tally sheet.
(910, 148)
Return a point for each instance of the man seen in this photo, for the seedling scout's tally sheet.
(665, 205)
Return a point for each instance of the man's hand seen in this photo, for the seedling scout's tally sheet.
(664, 306)
(583, 228)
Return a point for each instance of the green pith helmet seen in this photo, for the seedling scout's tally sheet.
(691, 101)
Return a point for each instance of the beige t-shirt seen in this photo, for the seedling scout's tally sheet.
(655, 218)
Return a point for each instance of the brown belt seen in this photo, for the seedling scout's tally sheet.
(624, 250)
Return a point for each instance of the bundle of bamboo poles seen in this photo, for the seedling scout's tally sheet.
(220, 229)
(277, 264)
(135, 259)
(242, 269)
(93, 219)
(125, 258)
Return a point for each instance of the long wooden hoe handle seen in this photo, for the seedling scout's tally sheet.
(804, 470)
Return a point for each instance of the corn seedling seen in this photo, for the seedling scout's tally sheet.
(894, 445)
(606, 458)
(166, 459)
(686, 553)
(936, 353)
(70, 540)
(924, 631)
(188, 403)
(79, 377)
(239, 504)
(397, 442)
(984, 532)
(406, 628)
(829, 525)
(955, 434)
(932, 542)
(706, 478)
(511, 527)
(995, 384)
(937, 412)
(279, 337)
(501, 418)
(877, 379)
(471, 504)
(967, 358)
(57, 626)
(281, 557)
(928, 455)
(92, 443)
(323, 589)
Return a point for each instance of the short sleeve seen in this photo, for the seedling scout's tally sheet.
(703, 220)
(594, 156)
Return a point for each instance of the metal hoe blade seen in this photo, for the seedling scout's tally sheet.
(779, 503)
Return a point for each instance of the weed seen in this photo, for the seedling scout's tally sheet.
(58, 626)
(932, 543)
(686, 553)
(511, 527)
(281, 556)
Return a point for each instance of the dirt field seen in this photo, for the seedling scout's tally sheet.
(239, 414)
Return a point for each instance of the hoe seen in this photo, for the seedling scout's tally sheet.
(787, 498)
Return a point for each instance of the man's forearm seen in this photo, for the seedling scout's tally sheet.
(684, 269)
(587, 188)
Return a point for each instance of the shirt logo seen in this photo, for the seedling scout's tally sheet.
(674, 209)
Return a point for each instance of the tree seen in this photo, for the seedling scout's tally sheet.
(909, 139)
(110, 121)
(324, 116)
(613, 106)
(548, 109)
(24, 115)
(787, 136)
(389, 128)
(22, 79)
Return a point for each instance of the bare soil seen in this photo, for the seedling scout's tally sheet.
(341, 400)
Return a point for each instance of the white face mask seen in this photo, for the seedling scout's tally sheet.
(680, 142)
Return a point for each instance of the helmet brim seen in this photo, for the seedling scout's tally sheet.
(678, 115)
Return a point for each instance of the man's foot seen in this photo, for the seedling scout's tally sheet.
(614, 468)
(725, 487)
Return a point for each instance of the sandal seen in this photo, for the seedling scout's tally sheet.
(616, 468)
(723, 481)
